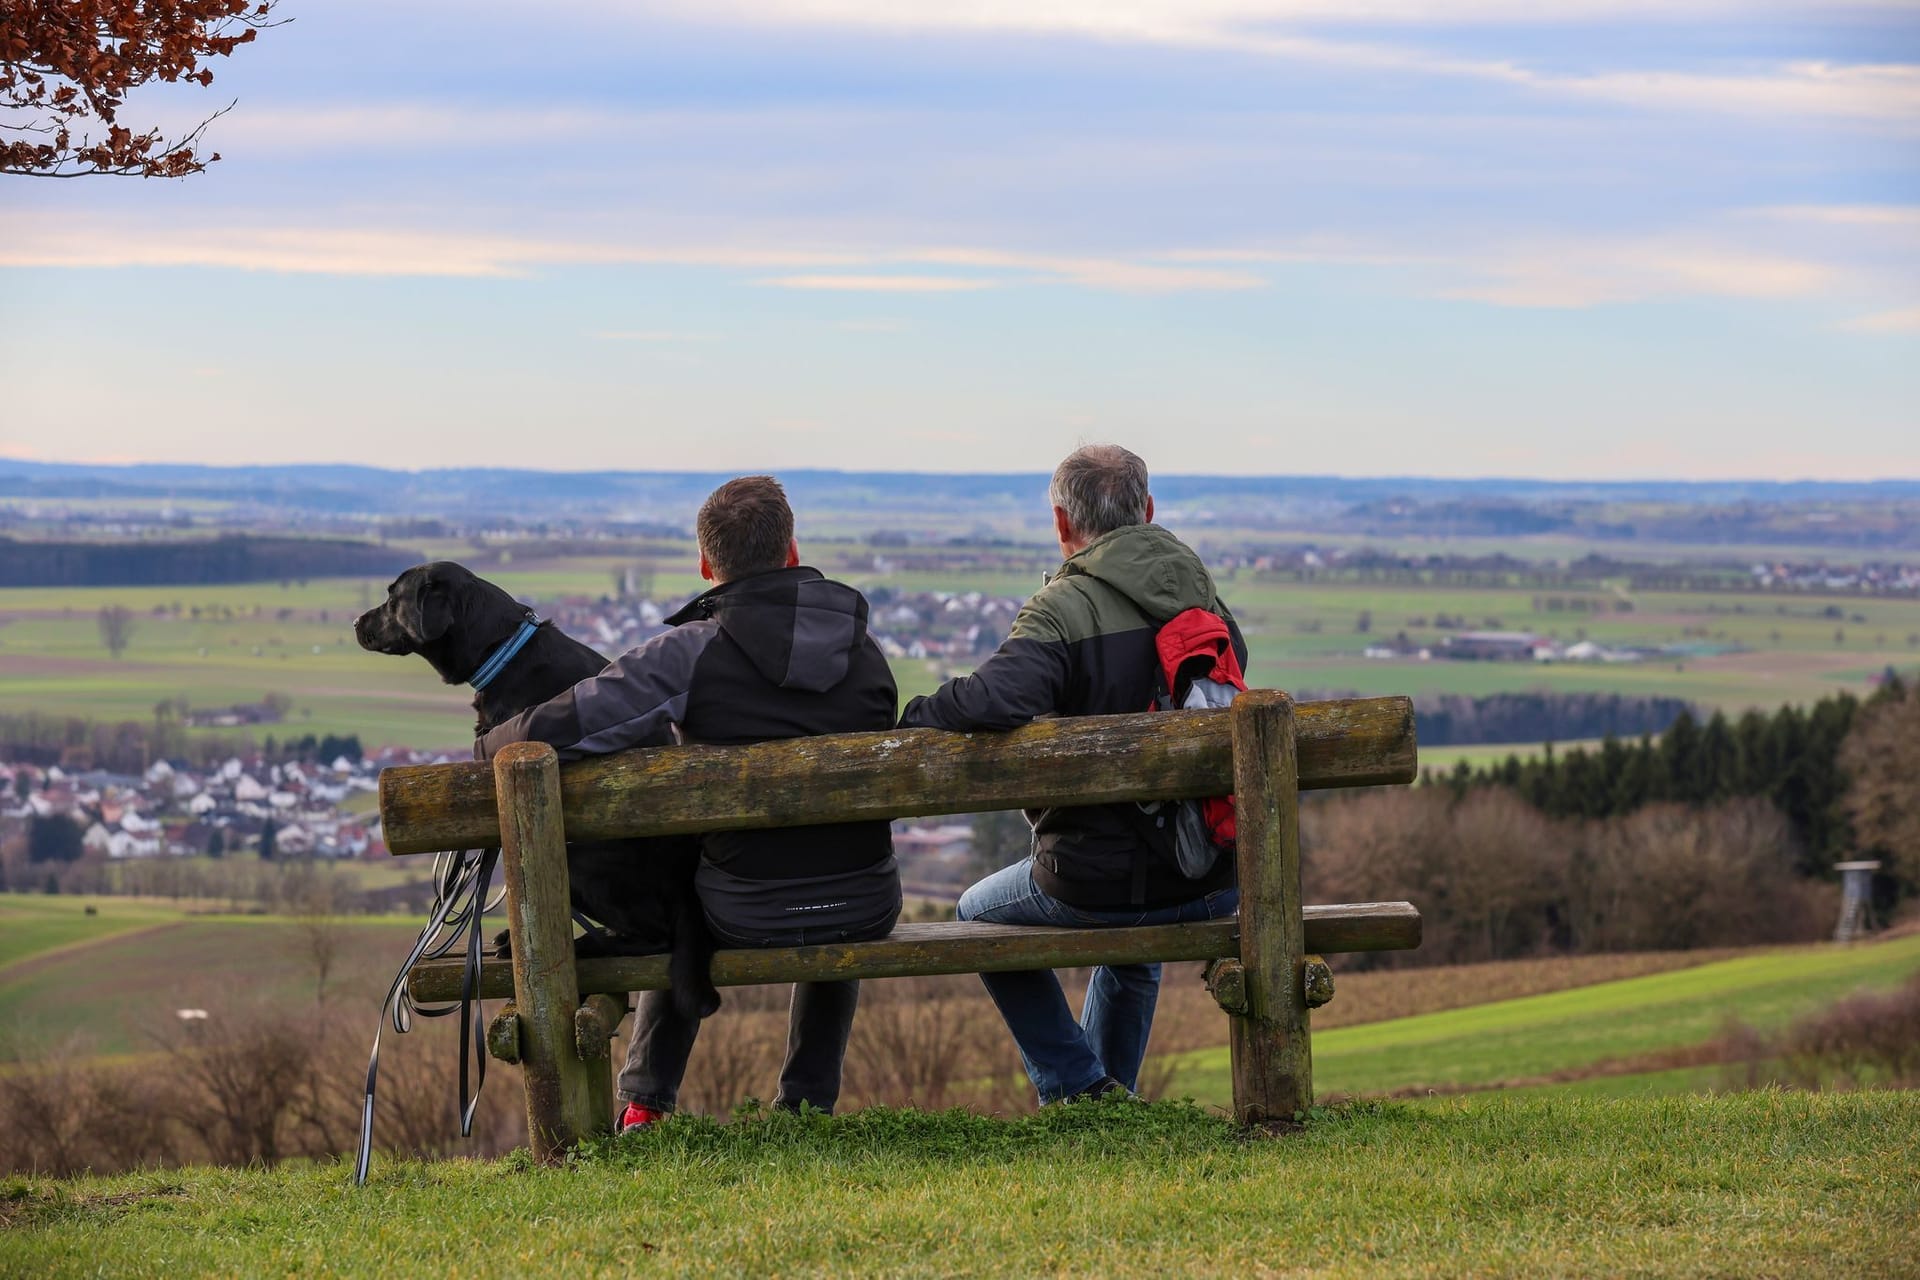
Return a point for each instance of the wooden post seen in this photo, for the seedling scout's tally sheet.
(1272, 1060)
(594, 1023)
(561, 1099)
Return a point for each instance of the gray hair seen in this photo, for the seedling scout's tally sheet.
(1101, 487)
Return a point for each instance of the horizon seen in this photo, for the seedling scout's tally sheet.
(1892, 481)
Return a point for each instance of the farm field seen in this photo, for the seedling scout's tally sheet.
(1576, 1030)
(248, 641)
(109, 983)
(1764, 1183)
(31, 927)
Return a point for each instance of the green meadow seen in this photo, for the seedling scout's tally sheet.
(295, 638)
(1578, 1030)
(1764, 1183)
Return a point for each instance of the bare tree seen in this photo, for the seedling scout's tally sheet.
(1882, 757)
(116, 628)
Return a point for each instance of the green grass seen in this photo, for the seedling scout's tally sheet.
(30, 926)
(113, 990)
(1568, 1031)
(1764, 1183)
(295, 640)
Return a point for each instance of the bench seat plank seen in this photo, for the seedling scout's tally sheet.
(954, 947)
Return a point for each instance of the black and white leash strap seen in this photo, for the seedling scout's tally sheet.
(457, 915)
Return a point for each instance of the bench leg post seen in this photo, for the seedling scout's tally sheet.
(1272, 1059)
(562, 1104)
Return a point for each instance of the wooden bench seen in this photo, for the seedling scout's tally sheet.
(1265, 749)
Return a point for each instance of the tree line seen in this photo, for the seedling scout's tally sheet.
(1791, 757)
(1457, 720)
(193, 561)
(130, 746)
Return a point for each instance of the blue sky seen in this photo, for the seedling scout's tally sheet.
(1631, 239)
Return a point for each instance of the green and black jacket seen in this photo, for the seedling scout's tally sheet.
(1083, 646)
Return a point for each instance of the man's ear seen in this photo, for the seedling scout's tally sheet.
(1062, 526)
(793, 553)
(432, 611)
(1149, 508)
(706, 570)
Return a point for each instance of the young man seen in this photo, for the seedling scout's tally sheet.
(1084, 645)
(774, 650)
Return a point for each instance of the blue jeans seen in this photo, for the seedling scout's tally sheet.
(1062, 1056)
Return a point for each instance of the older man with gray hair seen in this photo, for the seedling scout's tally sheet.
(1084, 645)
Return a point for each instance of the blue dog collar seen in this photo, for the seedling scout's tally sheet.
(497, 661)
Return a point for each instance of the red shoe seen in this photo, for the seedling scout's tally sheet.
(636, 1115)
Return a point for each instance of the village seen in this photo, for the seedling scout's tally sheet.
(288, 809)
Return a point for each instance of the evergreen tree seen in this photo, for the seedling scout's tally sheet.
(54, 839)
(1717, 762)
(1677, 777)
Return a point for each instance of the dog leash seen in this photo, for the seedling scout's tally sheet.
(457, 916)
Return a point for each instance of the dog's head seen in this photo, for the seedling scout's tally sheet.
(444, 613)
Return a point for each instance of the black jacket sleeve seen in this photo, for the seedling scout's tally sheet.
(1026, 677)
(635, 702)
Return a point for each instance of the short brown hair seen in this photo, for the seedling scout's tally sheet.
(745, 526)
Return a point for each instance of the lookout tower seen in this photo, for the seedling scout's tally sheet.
(1856, 899)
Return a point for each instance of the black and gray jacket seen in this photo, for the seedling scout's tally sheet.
(1083, 646)
(783, 654)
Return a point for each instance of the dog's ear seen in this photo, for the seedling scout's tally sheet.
(429, 606)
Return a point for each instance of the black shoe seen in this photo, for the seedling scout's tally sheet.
(1104, 1087)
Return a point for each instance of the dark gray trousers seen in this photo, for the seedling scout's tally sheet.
(819, 1020)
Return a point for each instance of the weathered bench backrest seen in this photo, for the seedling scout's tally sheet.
(1264, 749)
(1166, 755)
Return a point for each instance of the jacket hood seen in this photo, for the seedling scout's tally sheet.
(1149, 566)
(797, 627)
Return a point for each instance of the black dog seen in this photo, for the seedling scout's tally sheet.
(640, 891)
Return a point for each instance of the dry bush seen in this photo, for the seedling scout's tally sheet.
(62, 1115)
(927, 1043)
(1669, 877)
(1872, 1038)
(1881, 754)
(737, 1056)
(247, 1087)
(1495, 879)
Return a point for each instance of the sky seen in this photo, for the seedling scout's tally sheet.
(1588, 239)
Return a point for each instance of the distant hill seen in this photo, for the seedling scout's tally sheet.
(1862, 515)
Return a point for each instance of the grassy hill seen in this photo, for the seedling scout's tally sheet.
(1580, 1032)
(1513, 1182)
(1756, 1184)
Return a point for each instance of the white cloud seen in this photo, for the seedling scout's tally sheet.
(1107, 16)
(1898, 217)
(879, 283)
(1564, 272)
(96, 243)
(1585, 274)
(647, 335)
(1111, 274)
(1905, 320)
(77, 243)
(1889, 94)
